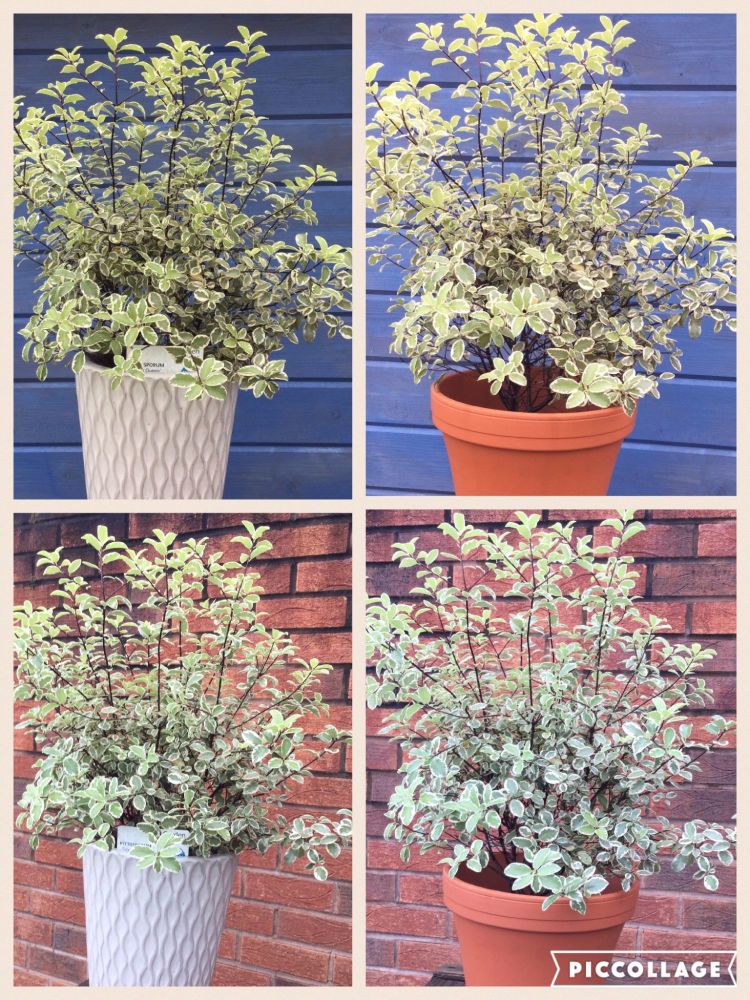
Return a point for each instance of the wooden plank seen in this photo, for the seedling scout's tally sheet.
(42, 31)
(708, 193)
(324, 141)
(332, 202)
(670, 49)
(413, 460)
(711, 355)
(325, 357)
(303, 413)
(683, 119)
(689, 412)
(289, 83)
(254, 473)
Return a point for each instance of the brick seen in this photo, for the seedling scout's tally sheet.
(23, 765)
(424, 889)
(233, 520)
(329, 647)
(48, 904)
(657, 908)
(658, 540)
(382, 754)
(664, 514)
(54, 851)
(21, 977)
(33, 537)
(323, 931)
(380, 951)
(717, 538)
(307, 963)
(683, 882)
(237, 975)
(288, 890)
(70, 939)
(69, 968)
(679, 940)
(426, 956)
(295, 541)
(714, 618)
(715, 803)
(387, 977)
(33, 930)
(709, 913)
(249, 917)
(694, 578)
(376, 820)
(674, 614)
(382, 785)
(142, 525)
(381, 887)
(32, 874)
(416, 920)
(388, 518)
(342, 970)
(380, 546)
(69, 882)
(324, 574)
(305, 612)
(23, 567)
(386, 854)
(343, 899)
(228, 944)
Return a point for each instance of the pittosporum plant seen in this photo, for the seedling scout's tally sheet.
(156, 206)
(544, 719)
(534, 248)
(160, 699)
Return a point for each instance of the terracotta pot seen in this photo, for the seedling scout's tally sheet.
(498, 452)
(507, 939)
(145, 441)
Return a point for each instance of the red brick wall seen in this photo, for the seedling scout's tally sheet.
(283, 927)
(687, 576)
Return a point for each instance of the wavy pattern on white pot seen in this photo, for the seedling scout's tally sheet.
(147, 928)
(145, 441)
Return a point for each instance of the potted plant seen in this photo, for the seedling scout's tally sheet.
(544, 273)
(545, 724)
(156, 206)
(171, 726)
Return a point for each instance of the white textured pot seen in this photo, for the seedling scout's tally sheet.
(147, 928)
(145, 441)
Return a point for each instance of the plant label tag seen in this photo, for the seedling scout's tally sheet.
(158, 362)
(129, 837)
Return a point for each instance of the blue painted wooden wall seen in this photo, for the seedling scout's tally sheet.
(298, 444)
(679, 77)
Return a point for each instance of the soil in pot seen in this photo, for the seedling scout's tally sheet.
(507, 939)
(494, 451)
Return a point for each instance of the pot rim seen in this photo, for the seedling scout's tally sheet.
(577, 415)
(519, 431)
(125, 857)
(500, 908)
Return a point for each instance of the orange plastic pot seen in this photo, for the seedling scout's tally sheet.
(497, 452)
(507, 939)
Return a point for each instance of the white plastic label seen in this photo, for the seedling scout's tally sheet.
(129, 837)
(157, 361)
